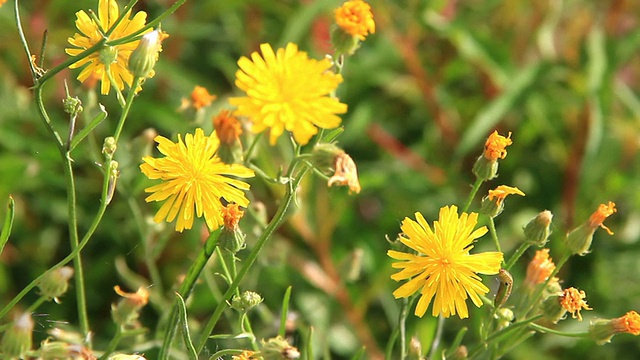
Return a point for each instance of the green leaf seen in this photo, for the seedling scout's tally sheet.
(87, 129)
(186, 335)
(8, 223)
(285, 311)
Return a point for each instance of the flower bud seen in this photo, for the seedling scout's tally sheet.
(72, 105)
(55, 283)
(493, 204)
(279, 349)
(537, 231)
(232, 238)
(460, 353)
(415, 349)
(109, 146)
(108, 55)
(246, 301)
(127, 310)
(17, 338)
(143, 58)
(126, 357)
(228, 129)
(602, 330)
(486, 166)
(55, 350)
(504, 317)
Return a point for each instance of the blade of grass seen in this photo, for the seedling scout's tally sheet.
(285, 311)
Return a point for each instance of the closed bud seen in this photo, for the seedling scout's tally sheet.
(246, 301)
(55, 283)
(415, 349)
(537, 231)
(460, 353)
(108, 55)
(143, 58)
(55, 350)
(17, 338)
(72, 105)
(552, 310)
(109, 146)
(504, 317)
(485, 169)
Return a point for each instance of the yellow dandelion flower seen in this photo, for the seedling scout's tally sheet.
(115, 59)
(245, 355)
(287, 90)
(494, 148)
(443, 268)
(355, 18)
(194, 179)
(572, 300)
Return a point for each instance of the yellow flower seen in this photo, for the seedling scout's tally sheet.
(572, 300)
(116, 57)
(355, 18)
(194, 180)
(501, 192)
(287, 91)
(245, 355)
(443, 268)
(494, 148)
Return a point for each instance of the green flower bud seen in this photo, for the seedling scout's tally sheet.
(17, 338)
(246, 301)
(143, 58)
(343, 42)
(72, 105)
(485, 169)
(108, 55)
(55, 283)
(109, 146)
(552, 310)
(537, 231)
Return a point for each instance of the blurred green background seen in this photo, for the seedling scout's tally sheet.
(423, 92)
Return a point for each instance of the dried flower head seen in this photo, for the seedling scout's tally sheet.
(346, 173)
(539, 269)
(572, 300)
(200, 97)
(228, 127)
(494, 147)
(599, 216)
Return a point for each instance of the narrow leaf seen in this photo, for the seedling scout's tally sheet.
(87, 129)
(285, 311)
(8, 223)
(186, 335)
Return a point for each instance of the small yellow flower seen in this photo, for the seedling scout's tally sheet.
(194, 179)
(115, 59)
(539, 269)
(200, 97)
(355, 18)
(604, 211)
(629, 323)
(346, 173)
(494, 148)
(228, 127)
(287, 91)
(572, 300)
(139, 298)
(443, 268)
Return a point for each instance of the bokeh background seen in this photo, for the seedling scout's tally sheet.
(423, 92)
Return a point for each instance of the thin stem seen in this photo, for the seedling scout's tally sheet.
(23, 40)
(73, 254)
(402, 325)
(186, 288)
(126, 107)
(112, 344)
(517, 255)
(268, 231)
(475, 351)
(544, 329)
(472, 194)
(249, 152)
(37, 304)
(494, 236)
(150, 25)
(438, 338)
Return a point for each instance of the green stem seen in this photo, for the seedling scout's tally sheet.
(517, 255)
(475, 351)
(126, 107)
(112, 344)
(186, 288)
(268, 231)
(249, 152)
(544, 329)
(494, 236)
(438, 337)
(472, 194)
(74, 253)
(37, 304)
(150, 25)
(534, 300)
(23, 40)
